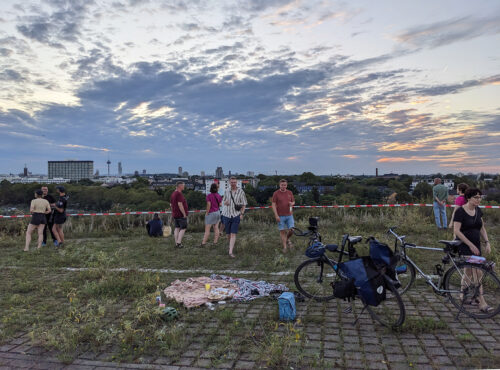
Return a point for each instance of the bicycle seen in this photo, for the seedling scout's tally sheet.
(316, 277)
(468, 285)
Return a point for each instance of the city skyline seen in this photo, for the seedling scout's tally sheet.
(279, 85)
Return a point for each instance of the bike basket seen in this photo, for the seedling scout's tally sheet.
(368, 281)
(316, 249)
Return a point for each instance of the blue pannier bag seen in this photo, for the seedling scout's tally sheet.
(286, 302)
(383, 256)
(368, 281)
(381, 253)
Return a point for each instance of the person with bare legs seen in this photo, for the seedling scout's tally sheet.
(469, 227)
(39, 208)
(234, 201)
(212, 214)
(60, 216)
(282, 205)
(49, 217)
(179, 213)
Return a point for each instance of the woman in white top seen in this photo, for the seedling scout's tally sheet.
(39, 208)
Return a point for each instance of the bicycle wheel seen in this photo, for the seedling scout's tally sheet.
(472, 288)
(405, 273)
(390, 312)
(313, 279)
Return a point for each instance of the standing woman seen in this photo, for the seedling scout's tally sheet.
(469, 228)
(212, 214)
(39, 208)
(60, 215)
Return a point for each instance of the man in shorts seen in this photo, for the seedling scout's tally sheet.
(60, 216)
(179, 213)
(234, 202)
(49, 216)
(282, 204)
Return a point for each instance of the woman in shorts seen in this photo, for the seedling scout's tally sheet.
(212, 214)
(39, 208)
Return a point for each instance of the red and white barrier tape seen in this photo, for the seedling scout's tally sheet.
(263, 207)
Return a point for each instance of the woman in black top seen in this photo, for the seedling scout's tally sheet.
(469, 228)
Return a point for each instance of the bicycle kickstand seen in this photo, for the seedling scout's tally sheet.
(357, 318)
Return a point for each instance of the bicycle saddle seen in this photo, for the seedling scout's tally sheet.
(355, 239)
(451, 243)
(331, 247)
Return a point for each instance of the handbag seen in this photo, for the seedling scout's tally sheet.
(237, 207)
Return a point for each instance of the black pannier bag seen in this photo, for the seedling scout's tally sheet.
(369, 283)
(345, 289)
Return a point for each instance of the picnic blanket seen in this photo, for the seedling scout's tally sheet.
(250, 289)
(192, 292)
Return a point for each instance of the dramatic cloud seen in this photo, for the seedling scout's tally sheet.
(253, 85)
(450, 31)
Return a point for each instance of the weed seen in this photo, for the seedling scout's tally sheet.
(465, 337)
(422, 325)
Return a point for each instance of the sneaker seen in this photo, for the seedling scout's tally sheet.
(56, 243)
(180, 245)
(43, 244)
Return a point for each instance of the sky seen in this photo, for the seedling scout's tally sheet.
(267, 86)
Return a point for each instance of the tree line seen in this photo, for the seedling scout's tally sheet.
(88, 196)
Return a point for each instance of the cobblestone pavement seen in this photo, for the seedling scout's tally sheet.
(433, 339)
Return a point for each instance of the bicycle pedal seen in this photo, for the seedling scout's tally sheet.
(347, 310)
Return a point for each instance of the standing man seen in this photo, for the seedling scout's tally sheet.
(60, 216)
(234, 201)
(440, 195)
(179, 213)
(49, 216)
(282, 204)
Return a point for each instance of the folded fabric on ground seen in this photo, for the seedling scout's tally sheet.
(192, 292)
(249, 289)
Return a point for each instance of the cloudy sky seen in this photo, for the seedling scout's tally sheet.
(254, 85)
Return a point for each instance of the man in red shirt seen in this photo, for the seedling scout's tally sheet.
(282, 204)
(179, 213)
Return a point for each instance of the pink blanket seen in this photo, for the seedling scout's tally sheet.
(192, 292)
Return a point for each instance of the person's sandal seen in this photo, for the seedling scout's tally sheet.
(486, 309)
(232, 255)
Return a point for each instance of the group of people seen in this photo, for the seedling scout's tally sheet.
(47, 214)
(227, 210)
(225, 213)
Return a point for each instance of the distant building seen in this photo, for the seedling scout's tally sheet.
(218, 173)
(224, 184)
(32, 180)
(450, 184)
(120, 170)
(136, 173)
(73, 170)
(202, 174)
(143, 172)
(25, 173)
(180, 171)
(251, 174)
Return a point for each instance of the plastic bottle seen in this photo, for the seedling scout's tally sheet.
(158, 295)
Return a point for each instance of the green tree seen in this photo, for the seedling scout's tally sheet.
(422, 191)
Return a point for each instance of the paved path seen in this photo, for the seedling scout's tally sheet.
(434, 340)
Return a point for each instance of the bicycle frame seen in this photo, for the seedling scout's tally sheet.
(428, 278)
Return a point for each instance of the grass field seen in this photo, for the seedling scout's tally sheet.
(99, 311)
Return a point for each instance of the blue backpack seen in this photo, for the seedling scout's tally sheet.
(286, 302)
